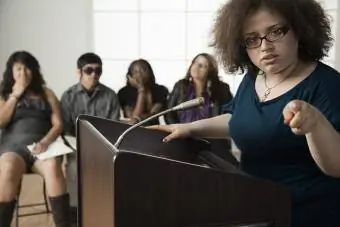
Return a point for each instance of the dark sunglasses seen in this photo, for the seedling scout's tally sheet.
(89, 70)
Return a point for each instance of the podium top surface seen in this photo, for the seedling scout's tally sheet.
(146, 141)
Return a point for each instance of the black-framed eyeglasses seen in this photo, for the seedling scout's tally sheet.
(272, 36)
(89, 70)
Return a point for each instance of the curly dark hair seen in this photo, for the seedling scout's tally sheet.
(212, 77)
(146, 67)
(37, 83)
(306, 18)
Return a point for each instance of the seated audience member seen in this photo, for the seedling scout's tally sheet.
(142, 97)
(90, 97)
(29, 113)
(201, 81)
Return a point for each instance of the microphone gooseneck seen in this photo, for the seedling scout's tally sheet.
(182, 106)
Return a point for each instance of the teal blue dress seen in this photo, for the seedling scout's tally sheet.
(271, 151)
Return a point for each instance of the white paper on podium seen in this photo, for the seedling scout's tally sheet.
(56, 148)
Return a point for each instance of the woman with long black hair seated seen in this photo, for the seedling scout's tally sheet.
(29, 113)
(142, 96)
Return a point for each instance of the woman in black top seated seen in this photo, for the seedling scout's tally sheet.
(201, 80)
(142, 97)
(29, 113)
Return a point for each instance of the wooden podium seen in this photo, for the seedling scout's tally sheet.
(153, 184)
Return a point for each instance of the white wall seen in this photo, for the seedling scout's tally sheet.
(166, 33)
(333, 10)
(56, 32)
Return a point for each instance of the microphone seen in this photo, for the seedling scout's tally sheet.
(182, 106)
(188, 104)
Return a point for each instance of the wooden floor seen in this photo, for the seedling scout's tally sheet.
(31, 192)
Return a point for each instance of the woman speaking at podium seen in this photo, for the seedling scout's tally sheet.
(285, 116)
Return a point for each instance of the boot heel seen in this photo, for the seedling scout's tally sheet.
(6, 213)
(61, 210)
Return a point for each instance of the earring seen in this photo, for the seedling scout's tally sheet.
(190, 79)
(209, 84)
(209, 87)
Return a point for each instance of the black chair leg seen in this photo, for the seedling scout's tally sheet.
(17, 213)
(44, 203)
(45, 197)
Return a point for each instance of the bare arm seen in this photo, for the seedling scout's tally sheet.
(7, 106)
(132, 112)
(7, 109)
(128, 110)
(139, 108)
(322, 137)
(140, 104)
(56, 120)
(324, 145)
(213, 128)
(156, 108)
(155, 101)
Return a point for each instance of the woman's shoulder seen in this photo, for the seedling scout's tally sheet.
(247, 81)
(323, 92)
(48, 91)
(178, 85)
(326, 73)
(223, 85)
(324, 79)
(161, 88)
(49, 94)
(181, 81)
(125, 89)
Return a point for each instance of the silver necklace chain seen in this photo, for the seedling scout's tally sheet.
(269, 89)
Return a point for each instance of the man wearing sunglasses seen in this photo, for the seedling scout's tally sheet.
(90, 97)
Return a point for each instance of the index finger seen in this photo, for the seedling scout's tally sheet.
(292, 108)
(131, 78)
(287, 115)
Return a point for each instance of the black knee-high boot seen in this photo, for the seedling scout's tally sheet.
(6, 213)
(61, 210)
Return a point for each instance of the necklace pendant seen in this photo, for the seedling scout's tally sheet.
(266, 94)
